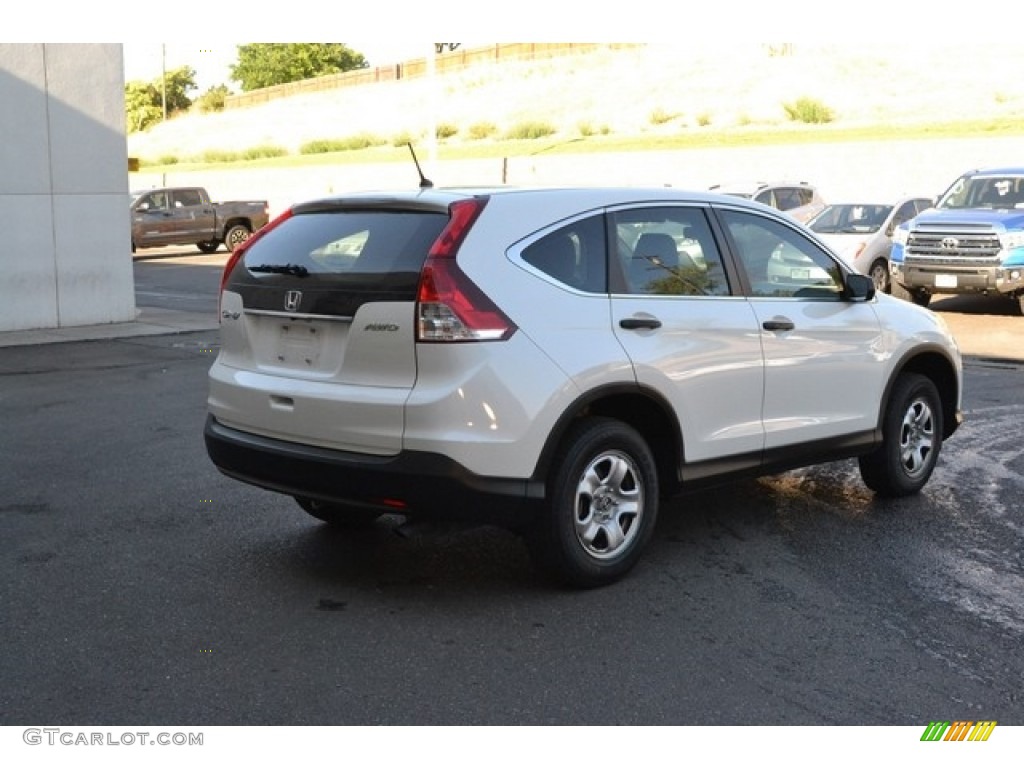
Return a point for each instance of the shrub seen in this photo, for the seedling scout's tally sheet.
(530, 129)
(482, 130)
(213, 100)
(445, 130)
(703, 119)
(166, 160)
(659, 116)
(219, 156)
(808, 110)
(359, 141)
(585, 129)
(403, 138)
(266, 150)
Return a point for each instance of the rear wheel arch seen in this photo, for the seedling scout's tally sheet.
(643, 410)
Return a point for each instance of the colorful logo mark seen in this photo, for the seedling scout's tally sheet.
(961, 730)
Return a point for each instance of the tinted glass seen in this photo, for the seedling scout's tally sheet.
(574, 255)
(669, 251)
(187, 198)
(338, 259)
(779, 261)
(850, 219)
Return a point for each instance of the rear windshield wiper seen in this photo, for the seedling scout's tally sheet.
(282, 269)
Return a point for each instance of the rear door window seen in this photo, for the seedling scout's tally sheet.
(669, 251)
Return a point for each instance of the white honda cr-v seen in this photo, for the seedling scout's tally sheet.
(559, 360)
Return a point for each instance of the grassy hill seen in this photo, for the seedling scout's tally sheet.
(648, 97)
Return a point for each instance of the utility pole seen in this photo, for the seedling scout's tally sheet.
(163, 77)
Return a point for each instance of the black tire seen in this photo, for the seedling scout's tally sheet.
(879, 273)
(236, 235)
(338, 515)
(208, 246)
(918, 296)
(602, 506)
(1020, 302)
(911, 439)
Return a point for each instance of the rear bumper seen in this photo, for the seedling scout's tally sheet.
(417, 484)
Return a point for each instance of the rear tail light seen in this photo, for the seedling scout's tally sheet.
(449, 306)
(239, 252)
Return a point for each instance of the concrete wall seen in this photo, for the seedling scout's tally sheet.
(65, 243)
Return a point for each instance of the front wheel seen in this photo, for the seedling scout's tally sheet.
(911, 439)
(919, 296)
(602, 505)
(236, 235)
(880, 275)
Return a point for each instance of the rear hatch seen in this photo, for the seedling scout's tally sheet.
(318, 337)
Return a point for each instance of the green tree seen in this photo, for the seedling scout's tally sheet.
(144, 102)
(178, 83)
(264, 64)
(142, 105)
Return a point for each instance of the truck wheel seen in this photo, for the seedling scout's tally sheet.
(236, 235)
(911, 439)
(338, 515)
(920, 297)
(603, 504)
(208, 246)
(880, 275)
(1020, 301)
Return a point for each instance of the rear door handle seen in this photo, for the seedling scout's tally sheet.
(778, 324)
(635, 323)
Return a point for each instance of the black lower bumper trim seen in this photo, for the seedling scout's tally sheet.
(420, 485)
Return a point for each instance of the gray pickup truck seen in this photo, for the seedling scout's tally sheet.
(185, 215)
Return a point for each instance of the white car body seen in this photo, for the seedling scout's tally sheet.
(862, 233)
(496, 383)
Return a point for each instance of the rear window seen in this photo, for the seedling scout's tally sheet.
(350, 242)
(339, 259)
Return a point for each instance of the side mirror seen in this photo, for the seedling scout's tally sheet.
(142, 207)
(859, 287)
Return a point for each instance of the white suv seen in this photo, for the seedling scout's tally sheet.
(558, 360)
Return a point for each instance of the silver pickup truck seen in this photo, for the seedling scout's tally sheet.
(185, 215)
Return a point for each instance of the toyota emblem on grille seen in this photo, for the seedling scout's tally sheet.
(292, 299)
(950, 242)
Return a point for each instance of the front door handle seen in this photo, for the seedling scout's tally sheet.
(778, 324)
(635, 323)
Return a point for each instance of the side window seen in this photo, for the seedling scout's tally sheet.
(186, 198)
(905, 212)
(669, 251)
(158, 201)
(779, 261)
(787, 198)
(574, 255)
